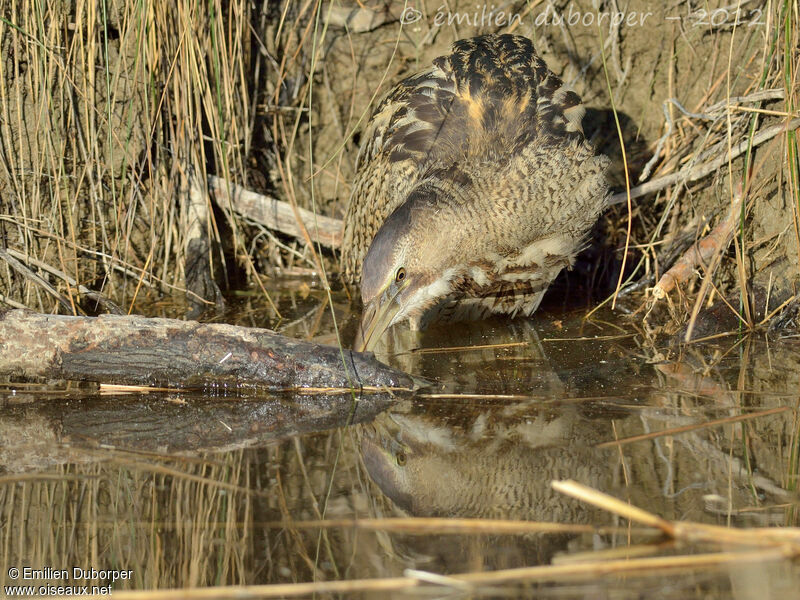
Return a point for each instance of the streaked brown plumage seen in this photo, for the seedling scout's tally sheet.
(475, 186)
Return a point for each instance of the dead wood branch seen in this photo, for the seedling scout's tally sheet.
(274, 214)
(699, 171)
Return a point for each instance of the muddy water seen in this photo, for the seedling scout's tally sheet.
(513, 407)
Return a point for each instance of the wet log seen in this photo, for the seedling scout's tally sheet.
(170, 353)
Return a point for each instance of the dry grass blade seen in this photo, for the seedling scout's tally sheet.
(467, 348)
(639, 566)
(787, 538)
(367, 389)
(428, 525)
(595, 338)
(113, 388)
(611, 504)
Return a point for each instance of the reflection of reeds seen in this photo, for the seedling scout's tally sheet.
(697, 426)
(173, 524)
(295, 512)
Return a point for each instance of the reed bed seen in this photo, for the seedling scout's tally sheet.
(116, 116)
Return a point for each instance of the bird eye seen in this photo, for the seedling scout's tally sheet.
(400, 457)
(401, 274)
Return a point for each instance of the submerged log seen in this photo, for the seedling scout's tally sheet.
(181, 354)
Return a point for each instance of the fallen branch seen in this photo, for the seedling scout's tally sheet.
(693, 427)
(274, 214)
(700, 171)
(180, 354)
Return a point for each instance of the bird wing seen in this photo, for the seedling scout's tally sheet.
(490, 98)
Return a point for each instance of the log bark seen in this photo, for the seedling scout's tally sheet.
(181, 354)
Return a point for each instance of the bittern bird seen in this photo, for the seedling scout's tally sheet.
(475, 186)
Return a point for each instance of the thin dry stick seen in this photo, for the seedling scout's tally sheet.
(300, 391)
(343, 391)
(700, 171)
(696, 426)
(627, 551)
(702, 252)
(522, 15)
(628, 195)
(779, 309)
(612, 505)
(597, 338)
(428, 525)
(723, 231)
(476, 397)
(465, 348)
(735, 195)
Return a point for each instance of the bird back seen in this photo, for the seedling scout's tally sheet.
(488, 101)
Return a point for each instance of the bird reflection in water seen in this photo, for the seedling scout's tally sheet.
(487, 461)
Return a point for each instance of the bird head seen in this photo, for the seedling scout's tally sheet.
(406, 267)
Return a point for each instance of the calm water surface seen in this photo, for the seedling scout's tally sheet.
(141, 483)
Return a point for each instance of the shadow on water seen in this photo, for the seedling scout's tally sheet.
(98, 481)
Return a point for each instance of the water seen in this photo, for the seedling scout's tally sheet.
(140, 483)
